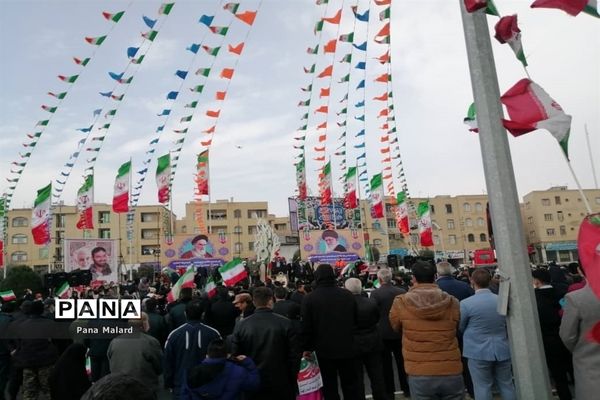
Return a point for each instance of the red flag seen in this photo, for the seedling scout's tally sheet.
(335, 19)
(588, 243)
(385, 150)
(383, 2)
(330, 46)
(319, 158)
(213, 114)
(383, 77)
(319, 149)
(227, 73)
(207, 143)
(571, 7)
(322, 109)
(385, 138)
(322, 126)
(328, 71)
(322, 138)
(474, 5)
(210, 130)
(385, 31)
(247, 16)
(384, 58)
(220, 95)
(324, 92)
(383, 113)
(236, 49)
(383, 97)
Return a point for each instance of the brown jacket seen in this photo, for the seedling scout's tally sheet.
(427, 318)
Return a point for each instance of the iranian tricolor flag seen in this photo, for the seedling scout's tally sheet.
(571, 7)
(163, 174)
(471, 119)
(377, 196)
(233, 272)
(326, 184)
(531, 108)
(41, 216)
(121, 191)
(165, 8)
(402, 213)
(211, 287)
(351, 200)
(8, 295)
(507, 31)
(202, 175)
(425, 230)
(185, 281)
(301, 179)
(85, 198)
(63, 291)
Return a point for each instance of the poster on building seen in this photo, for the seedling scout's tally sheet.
(312, 215)
(99, 256)
(199, 251)
(329, 246)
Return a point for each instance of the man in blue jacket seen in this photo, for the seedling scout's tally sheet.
(449, 284)
(486, 341)
(186, 347)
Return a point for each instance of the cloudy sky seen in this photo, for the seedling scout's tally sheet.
(252, 154)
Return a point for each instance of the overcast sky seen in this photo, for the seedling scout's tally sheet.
(252, 154)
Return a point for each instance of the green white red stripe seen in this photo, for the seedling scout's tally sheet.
(165, 8)
(202, 174)
(8, 295)
(185, 281)
(471, 119)
(85, 199)
(41, 215)
(377, 196)
(507, 31)
(121, 189)
(63, 291)
(425, 231)
(351, 200)
(326, 184)
(211, 287)
(233, 272)
(301, 179)
(95, 41)
(163, 174)
(402, 213)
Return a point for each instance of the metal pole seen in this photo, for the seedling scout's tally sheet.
(528, 359)
(587, 138)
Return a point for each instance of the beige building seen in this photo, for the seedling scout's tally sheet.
(551, 220)
(151, 223)
(237, 220)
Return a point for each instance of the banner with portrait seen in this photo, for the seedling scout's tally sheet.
(329, 246)
(312, 215)
(99, 256)
(201, 250)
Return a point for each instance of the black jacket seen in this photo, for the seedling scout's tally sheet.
(158, 327)
(269, 340)
(34, 353)
(328, 318)
(366, 338)
(221, 315)
(384, 297)
(287, 308)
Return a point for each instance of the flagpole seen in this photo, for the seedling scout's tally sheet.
(587, 139)
(579, 188)
(130, 220)
(209, 230)
(363, 222)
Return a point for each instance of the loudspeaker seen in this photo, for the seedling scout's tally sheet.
(85, 277)
(48, 280)
(392, 261)
(73, 279)
(59, 278)
(409, 261)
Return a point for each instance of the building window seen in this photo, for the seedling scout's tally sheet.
(550, 231)
(87, 234)
(597, 200)
(218, 214)
(18, 256)
(104, 233)
(530, 220)
(389, 208)
(149, 217)
(238, 247)
(482, 237)
(150, 250)
(557, 200)
(468, 222)
(547, 217)
(450, 224)
(448, 208)
(376, 225)
(237, 213)
(478, 207)
(254, 214)
(527, 205)
(377, 242)
(436, 240)
(60, 235)
(480, 222)
(250, 246)
(43, 253)
(20, 222)
(532, 234)
(252, 230)
(545, 202)
(237, 229)
(60, 220)
(149, 234)
(560, 216)
(467, 207)
(452, 239)
(104, 217)
(563, 230)
(470, 238)
(391, 223)
(184, 229)
(19, 239)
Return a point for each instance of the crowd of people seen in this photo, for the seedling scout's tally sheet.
(435, 327)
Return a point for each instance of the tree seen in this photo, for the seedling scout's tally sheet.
(20, 278)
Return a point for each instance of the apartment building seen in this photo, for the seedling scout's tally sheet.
(150, 224)
(551, 220)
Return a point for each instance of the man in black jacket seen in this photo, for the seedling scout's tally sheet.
(392, 341)
(269, 340)
(328, 325)
(285, 307)
(221, 314)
